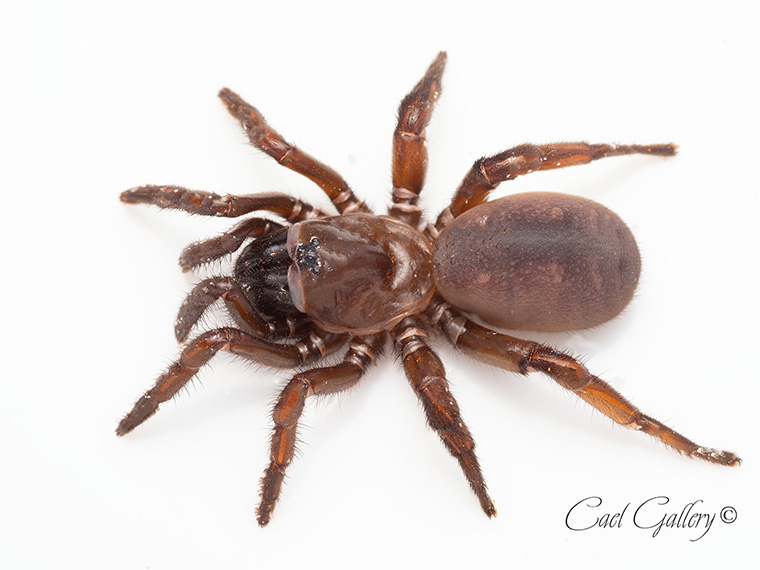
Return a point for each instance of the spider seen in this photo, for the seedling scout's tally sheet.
(308, 285)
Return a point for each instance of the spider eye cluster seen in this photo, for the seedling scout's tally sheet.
(307, 256)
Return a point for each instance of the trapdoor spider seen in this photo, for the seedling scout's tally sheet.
(312, 283)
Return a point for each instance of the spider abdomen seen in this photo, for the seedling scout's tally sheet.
(538, 261)
(359, 273)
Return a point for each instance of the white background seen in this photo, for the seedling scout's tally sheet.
(98, 98)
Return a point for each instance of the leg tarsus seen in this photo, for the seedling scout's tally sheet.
(681, 444)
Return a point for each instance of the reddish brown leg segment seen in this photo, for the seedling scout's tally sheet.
(426, 374)
(525, 356)
(200, 350)
(230, 241)
(487, 173)
(269, 141)
(211, 204)
(287, 412)
(210, 290)
(409, 143)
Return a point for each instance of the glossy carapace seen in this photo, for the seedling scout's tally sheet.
(359, 273)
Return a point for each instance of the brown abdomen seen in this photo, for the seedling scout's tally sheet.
(538, 261)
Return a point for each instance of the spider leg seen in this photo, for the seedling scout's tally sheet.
(269, 141)
(488, 172)
(410, 146)
(211, 204)
(319, 381)
(427, 376)
(210, 290)
(201, 349)
(523, 356)
(228, 242)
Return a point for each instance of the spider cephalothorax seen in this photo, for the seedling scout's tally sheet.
(309, 285)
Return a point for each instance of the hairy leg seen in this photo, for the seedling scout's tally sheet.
(210, 290)
(410, 145)
(206, 251)
(487, 173)
(427, 376)
(525, 356)
(269, 141)
(210, 204)
(201, 349)
(287, 412)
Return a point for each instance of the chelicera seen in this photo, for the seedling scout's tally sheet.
(312, 283)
